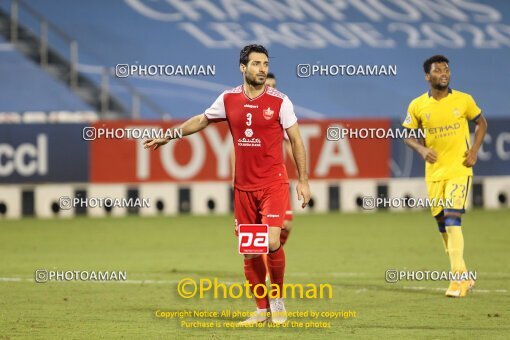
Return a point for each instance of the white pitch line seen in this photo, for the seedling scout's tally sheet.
(19, 279)
(13, 279)
(474, 289)
(328, 274)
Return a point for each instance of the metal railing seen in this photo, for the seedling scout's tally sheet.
(45, 28)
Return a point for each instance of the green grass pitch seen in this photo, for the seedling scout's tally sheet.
(349, 251)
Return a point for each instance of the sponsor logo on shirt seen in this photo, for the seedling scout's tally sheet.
(444, 131)
(251, 106)
(249, 142)
(248, 132)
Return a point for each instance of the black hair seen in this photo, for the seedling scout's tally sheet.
(270, 76)
(434, 59)
(245, 52)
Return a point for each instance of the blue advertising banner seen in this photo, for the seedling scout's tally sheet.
(39, 153)
(493, 156)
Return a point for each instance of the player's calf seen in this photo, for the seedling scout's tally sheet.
(276, 258)
(455, 241)
(440, 219)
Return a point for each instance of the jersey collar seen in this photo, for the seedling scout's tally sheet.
(251, 99)
(449, 92)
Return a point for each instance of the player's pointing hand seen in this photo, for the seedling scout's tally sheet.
(303, 191)
(156, 141)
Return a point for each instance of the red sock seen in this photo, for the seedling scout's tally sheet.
(276, 265)
(255, 272)
(283, 236)
(264, 258)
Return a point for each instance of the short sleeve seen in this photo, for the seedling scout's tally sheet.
(217, 110)
(472, 110)
(287, 114)
(411, 121)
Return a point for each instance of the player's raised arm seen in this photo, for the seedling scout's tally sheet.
(299, 153)
(189, 127)
(195, 124)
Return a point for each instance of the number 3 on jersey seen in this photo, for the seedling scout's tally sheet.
(248, 119)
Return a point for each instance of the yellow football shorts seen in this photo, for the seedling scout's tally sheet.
(449, 194)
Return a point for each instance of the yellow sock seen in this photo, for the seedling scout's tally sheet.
(445, 241)
(464, 269)
(456, 249)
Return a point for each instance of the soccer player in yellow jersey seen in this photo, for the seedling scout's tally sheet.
(443, 115)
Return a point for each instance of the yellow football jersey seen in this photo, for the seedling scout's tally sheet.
(445, 124)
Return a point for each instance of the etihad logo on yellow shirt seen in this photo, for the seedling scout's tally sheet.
(443, 129)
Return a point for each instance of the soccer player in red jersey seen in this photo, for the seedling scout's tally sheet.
(257, 116)
(287, 221)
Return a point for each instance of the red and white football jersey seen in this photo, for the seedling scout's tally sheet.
(257, 127)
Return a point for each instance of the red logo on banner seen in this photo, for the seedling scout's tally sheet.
(253, 239)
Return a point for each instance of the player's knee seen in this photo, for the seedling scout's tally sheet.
(274, 243)
(452, 221)
(440, 219)
(288, 225)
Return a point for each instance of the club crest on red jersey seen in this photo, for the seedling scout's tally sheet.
(268, 113)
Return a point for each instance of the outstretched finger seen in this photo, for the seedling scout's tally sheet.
(306, 200)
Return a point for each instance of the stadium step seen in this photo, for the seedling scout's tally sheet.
(59, 67)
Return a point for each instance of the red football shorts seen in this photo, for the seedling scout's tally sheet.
(288, 212)
(264, 206)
